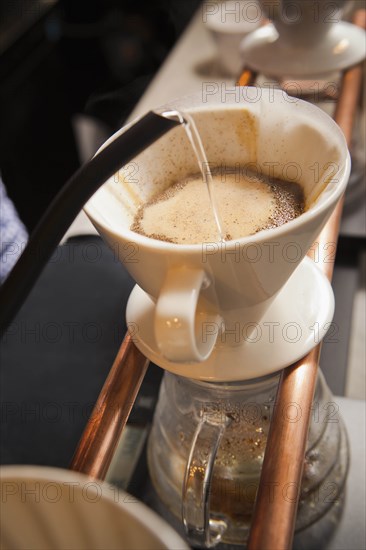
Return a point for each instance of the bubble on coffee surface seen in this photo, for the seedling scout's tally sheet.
(247, 203)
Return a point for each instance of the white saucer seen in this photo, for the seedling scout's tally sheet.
(264, 51)
(295, 322)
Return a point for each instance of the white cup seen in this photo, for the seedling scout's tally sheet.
(229, 22)
(303, 22)
(195, 286)
(45, 508)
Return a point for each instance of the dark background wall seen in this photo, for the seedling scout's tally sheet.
(61, 57)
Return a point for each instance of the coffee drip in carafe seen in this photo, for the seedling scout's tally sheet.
(206, 450)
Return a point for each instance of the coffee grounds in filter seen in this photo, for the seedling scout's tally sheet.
(247, 203)
(290, 202)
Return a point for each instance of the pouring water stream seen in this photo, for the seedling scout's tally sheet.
(195, 140)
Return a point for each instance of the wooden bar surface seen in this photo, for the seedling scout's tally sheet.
(274, 516)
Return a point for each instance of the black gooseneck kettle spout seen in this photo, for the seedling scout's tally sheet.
(69, 201)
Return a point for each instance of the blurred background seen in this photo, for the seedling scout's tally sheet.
(63, 58)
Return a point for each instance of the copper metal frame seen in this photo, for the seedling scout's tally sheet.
(274, 517)
(111, 411)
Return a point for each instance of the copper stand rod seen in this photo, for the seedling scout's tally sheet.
(247, 78)
(277, 499)
(111, 411)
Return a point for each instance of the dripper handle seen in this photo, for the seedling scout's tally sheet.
(185, 331)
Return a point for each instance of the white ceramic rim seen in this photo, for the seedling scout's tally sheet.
(261, 236)
(151, 521)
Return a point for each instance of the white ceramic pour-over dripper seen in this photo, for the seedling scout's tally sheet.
(305, 40)
(44, 508)
(196, 307)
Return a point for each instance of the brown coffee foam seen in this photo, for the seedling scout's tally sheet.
(247, 203)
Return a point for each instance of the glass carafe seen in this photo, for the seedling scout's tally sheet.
(206, 450)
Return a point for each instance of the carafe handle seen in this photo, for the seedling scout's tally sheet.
(201, 529)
